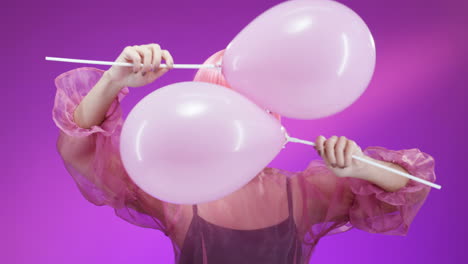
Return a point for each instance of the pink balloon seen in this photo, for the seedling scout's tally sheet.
(194, 142)
(302, 59)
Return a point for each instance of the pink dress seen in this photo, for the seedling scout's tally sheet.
(279, 216)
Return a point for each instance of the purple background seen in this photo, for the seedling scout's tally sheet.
(415, 100)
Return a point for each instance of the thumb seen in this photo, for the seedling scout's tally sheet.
(159, 73)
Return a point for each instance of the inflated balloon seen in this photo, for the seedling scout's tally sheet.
(194, 142)
(302, 59)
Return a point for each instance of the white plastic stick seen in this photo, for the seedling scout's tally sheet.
(176, 66)
(296, 140)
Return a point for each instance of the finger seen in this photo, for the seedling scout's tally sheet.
(160, 72)
(145, 58)
(348, 153)
(140, 55)
(339, 151)
(168, 58)
(319, 141)
(330, 150)
(152, 55)
(148, 56)
(156, 61)
(132, 55)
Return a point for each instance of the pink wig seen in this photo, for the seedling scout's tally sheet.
(215, 76)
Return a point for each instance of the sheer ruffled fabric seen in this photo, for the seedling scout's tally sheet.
(334, 205)
(323, 203)
(92, 156)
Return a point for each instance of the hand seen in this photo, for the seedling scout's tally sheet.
(150, 55)
(337, 153)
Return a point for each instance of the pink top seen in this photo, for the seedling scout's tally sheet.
(323, 203)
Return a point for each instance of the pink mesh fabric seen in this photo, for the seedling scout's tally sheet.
(323, 203)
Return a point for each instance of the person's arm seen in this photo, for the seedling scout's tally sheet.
(89, 117)
(386, 180)
(334, 200)
(337, 153)
(92, 109)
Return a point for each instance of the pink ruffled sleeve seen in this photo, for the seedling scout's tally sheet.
(334, 205)
(92, 157)
(377, 211)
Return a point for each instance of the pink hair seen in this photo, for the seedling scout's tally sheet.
(215, 76)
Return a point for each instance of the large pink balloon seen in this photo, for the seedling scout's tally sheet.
(302, 59)
(193, 142)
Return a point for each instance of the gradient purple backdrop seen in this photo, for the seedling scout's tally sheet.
(415, 100)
